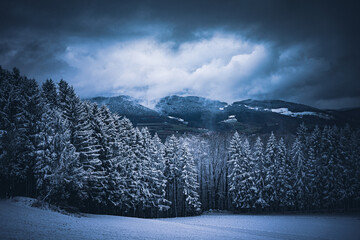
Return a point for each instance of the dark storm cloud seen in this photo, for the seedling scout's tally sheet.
(310, 49)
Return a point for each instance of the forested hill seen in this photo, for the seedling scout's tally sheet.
(176, 114)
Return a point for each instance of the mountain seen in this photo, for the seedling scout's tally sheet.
(128, 106)
(178, 105)
(142, 116)
(274, 115)
(177, 114)
(197, 111)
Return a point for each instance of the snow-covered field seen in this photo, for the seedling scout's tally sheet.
(20, 221)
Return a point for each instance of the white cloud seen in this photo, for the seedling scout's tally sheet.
(222, 67)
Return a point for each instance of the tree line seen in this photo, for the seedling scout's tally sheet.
(319, 169)
(73, 153)
(70, 152)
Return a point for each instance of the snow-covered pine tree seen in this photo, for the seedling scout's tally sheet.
(58, 171)
(105, 134)
(190, 184)
(110, 132)
(172, 173)
(314, 170)
(10, 108)
(65, 95)
(128, 180)
(158, 156)
(260, 174)
(157, 160)
(242, 185)
(110, 152)
(92, 125)
(331, 168)
(81, 136)
(339, 166)
(87, 147)
(355, 156)
(123, 137)
(235, 169)
(248, 177)
(199, 147)
(271, 164)
(20, 112)
(32, 112)
(285, 177)
(281, 183)
(354, 164)
(347, 178)
(140, 196)
(300, 174)
(49, 93)
(153, 177)
(302, 135)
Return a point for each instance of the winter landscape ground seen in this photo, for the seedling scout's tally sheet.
(18, 220)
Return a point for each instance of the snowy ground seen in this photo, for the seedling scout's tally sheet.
(20, 221)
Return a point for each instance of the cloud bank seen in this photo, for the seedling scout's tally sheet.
(302, 51)
(221, 67)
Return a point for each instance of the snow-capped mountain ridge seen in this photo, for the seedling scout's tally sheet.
(177, 113)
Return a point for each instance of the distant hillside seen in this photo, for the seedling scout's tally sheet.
(198, 112)
(142, 116)
(177, 114)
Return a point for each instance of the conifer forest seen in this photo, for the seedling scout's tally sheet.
(80, 156)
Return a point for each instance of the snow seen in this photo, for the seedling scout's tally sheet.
(287, 112)
(252, 108)
(20, 221)
(231, 119)
(223, 108)
(178, 119)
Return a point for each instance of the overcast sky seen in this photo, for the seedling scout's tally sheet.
(301, 51)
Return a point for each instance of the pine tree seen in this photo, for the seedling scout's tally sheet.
(49, 93)
(355, 159)
(248, 178)
(302, 135)
(129, 169)
(300, 173)
(271, 164)
(172, 172)
(330, 167)
(190, 183)
(20, 112)
(9, 105)
(58, 171)
(152, 164)
(285, 177)
(108, 138)
(346, 179)
(141, 171)
(157, 151)
(241, 175)
(65, 93)
(260, 174)
(314, 168)
(78, 115)
(93, 142)
(87, 147)
(33, 111)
